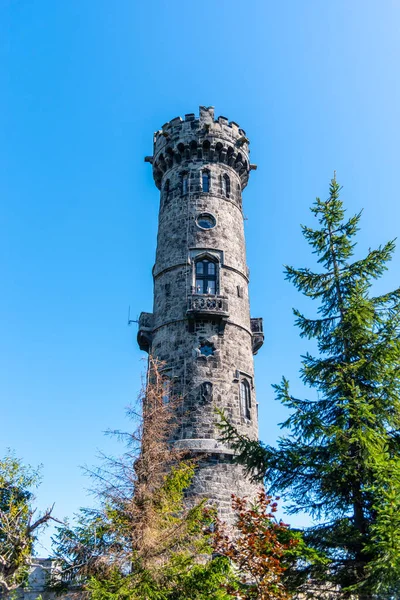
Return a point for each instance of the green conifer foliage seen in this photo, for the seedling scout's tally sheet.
(143, 541)
(341, 459)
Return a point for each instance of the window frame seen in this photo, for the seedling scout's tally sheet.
(226, 185)
(204, 215)
(185, 183)
(205, 176)
(205, 276)
(245, 398)
(166, 390)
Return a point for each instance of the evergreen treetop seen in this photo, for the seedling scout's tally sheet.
(329, 462)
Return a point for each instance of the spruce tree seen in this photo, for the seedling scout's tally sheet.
(340, 459)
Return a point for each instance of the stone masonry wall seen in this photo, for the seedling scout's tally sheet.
(205, 340)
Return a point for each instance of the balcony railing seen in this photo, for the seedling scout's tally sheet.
(145, 333)
(257, 333)
(208, 305)
(256, 325)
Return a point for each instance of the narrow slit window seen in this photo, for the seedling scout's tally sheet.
(166, 391)
(185, 183)
(205, 181)
(226, 185)
(245, 398)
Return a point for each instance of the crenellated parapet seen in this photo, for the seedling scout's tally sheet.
(202, 139)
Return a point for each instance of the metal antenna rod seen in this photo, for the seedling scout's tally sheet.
(129, 317)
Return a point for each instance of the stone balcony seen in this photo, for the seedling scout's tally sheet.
(145, 333)
(208, 307)
(257, 333)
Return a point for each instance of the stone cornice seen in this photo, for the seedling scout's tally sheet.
(187, 263)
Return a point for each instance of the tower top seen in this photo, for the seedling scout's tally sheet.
(201, 138)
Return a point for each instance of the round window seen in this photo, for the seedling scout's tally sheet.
(206, 221)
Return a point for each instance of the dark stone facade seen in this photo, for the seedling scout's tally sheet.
(204, 334)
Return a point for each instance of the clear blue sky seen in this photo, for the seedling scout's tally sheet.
(84, 84)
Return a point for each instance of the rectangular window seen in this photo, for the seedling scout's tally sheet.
(245, 399)
(205, 182)
(211, 286)
(166, 391)
(206, 277)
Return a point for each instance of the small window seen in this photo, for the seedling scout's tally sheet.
(193, 149)
(226, 185)
(166, 391)
(206, 221)
(206, 149)
(206, 391)
(206, 277)
(205, 181)
(245, 398)
(185, 183)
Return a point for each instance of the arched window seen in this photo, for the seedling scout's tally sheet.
(206, 276)
(170, 157)
(205, 181)
(166, 188)
(206, 149)
(185, 183)
(245, 398)
(226, 185)
(193, 149)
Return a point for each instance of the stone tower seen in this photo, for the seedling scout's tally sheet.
(201, 326)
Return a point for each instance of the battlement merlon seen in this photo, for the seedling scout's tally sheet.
(204, 138)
